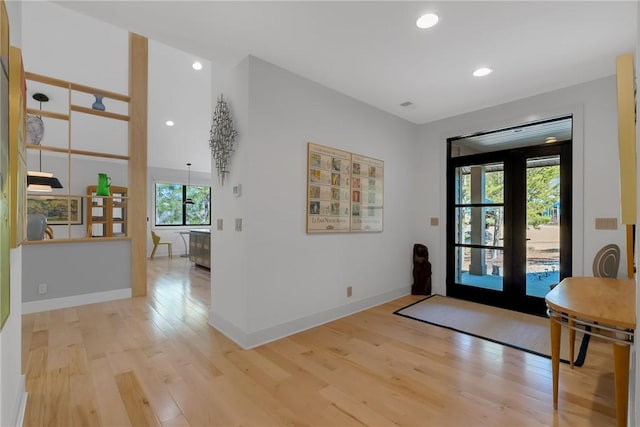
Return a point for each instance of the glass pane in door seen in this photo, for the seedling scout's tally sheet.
(479, 226)
(543, 224)
(492, 274)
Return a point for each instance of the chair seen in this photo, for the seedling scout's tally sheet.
(605, 264)
(157, 242)
(36, 226)
(607, 261)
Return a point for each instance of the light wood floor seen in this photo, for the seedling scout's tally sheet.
(155, 361)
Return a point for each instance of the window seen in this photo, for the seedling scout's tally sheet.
(170, 209)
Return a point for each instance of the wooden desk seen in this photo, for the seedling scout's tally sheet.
(609, 306)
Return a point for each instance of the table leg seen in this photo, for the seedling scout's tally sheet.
(186, 248)
(621, 374)
(556, 332)
(572, 340)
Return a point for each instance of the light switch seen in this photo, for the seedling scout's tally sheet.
(435, 221)
(219, 224)
(238, 224)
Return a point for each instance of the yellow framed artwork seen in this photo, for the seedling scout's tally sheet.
(5, 283)
(17, 155)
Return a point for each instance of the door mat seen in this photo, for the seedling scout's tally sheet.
(522, 331)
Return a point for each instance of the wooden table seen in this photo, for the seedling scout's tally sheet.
(609, 307)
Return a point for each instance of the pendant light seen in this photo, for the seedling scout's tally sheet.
(39, 181)
(189, 201)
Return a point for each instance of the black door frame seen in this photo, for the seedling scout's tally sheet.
(513, 296)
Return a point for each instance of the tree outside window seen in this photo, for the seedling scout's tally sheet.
(170, 209)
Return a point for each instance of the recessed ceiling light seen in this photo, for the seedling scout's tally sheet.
(169, 123)
(197, 65)
(481, 72)
(427, 21)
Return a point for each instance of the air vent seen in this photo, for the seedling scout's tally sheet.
(406, 104)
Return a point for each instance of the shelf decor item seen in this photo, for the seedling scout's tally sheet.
(98, 105)
(221, 138)
(35, 129)
(38, 181)
(35, 126)
(104, 184)
(59, 210)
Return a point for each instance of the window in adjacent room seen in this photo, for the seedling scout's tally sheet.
(171, 209)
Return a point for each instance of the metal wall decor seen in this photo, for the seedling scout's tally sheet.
(221, 138)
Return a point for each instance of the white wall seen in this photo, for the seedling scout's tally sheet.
(61, 43)
(229, 264)
(172, 82)
(12, 382)
(292, 280)
(596, 190)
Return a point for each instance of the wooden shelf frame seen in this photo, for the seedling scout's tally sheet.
(50, 114)
(136, 157)
(114, 209)
(78, 152)
(74, 240)
(75, 87)
(69, 151)
(86, 110)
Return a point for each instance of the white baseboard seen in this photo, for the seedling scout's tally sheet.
(22, 406)
(263, 336)
(228, 329)
(75, 300)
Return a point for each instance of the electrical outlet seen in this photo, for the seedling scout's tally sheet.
(42, 288)
(349, 291)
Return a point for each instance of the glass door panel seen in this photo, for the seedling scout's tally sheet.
(492, 276)
(543, 224)
(479, 219)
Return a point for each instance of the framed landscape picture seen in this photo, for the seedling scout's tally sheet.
(56, 208)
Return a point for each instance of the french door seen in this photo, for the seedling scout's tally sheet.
(509, 225)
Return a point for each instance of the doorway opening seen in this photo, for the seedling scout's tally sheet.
(509, 214)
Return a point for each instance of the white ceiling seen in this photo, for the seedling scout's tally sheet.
(373, 51)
